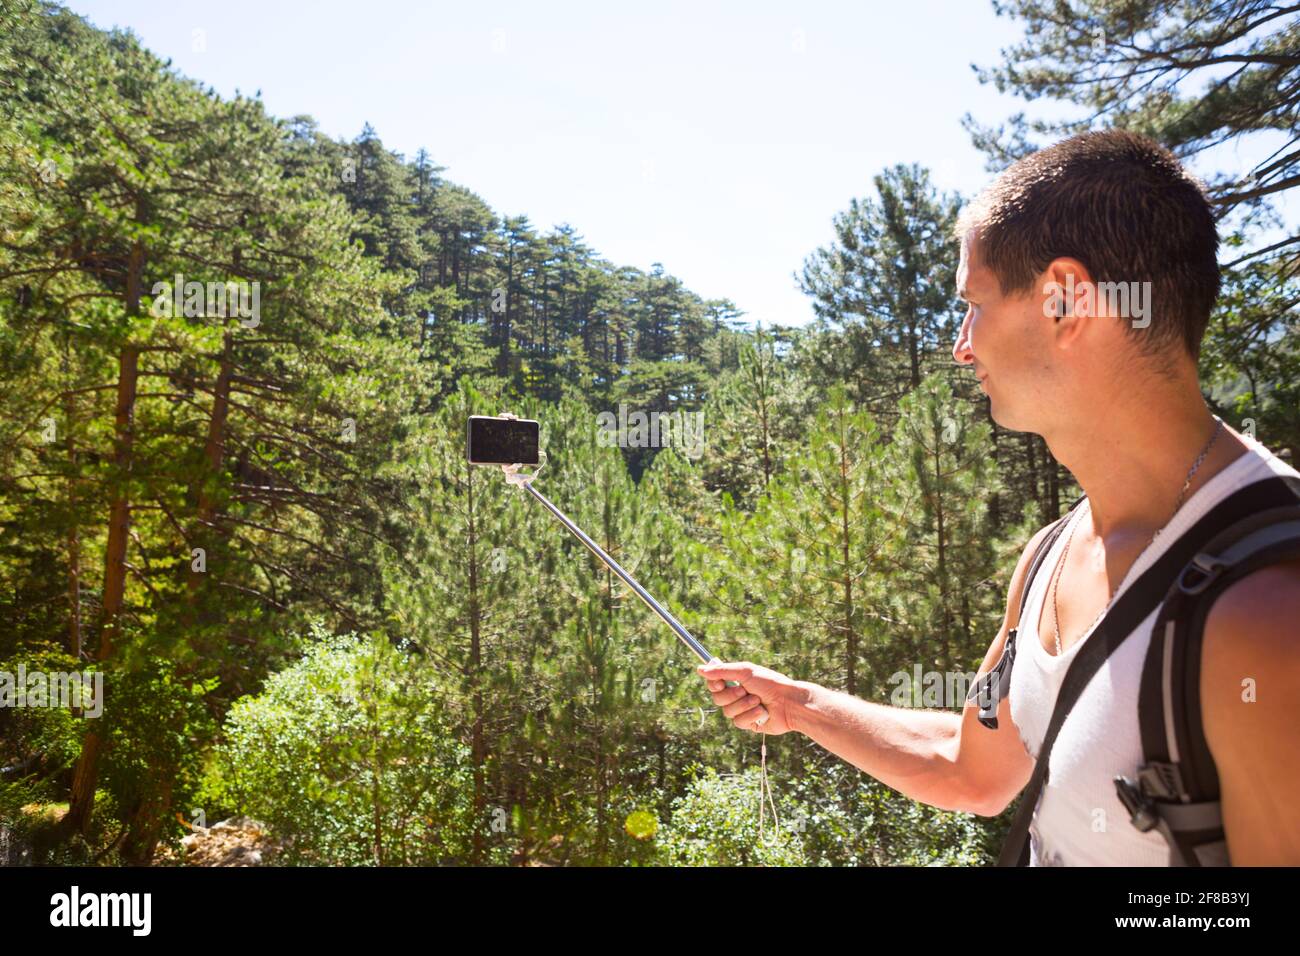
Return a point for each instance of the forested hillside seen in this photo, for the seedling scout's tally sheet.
(236, 360)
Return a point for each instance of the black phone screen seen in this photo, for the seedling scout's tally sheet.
(502, 441)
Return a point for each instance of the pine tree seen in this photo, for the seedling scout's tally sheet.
(802, 576)
(886, 288)
(753, 420)
(942, 600)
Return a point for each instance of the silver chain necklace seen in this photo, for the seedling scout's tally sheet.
(1060, 567)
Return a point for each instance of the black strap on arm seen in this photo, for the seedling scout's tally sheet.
(989, 690)
(1132, 607)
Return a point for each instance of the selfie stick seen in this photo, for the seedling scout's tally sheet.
(513, 477)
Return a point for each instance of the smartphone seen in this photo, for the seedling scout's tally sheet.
(501, 441)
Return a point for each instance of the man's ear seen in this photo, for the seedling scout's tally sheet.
(1070, 277)
(1067, 291)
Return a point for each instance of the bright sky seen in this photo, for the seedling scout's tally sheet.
(716, 138)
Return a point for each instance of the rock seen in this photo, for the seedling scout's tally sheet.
(239, 841)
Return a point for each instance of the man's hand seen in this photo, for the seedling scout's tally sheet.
(759, 687)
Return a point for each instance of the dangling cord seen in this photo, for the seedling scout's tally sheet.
(764, 785)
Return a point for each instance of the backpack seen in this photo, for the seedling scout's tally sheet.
(1176, 789)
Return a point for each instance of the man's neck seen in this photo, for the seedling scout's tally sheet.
(1132, 455)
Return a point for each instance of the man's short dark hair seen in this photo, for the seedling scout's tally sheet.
(1123, 206)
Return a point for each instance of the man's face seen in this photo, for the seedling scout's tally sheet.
(1007, 341)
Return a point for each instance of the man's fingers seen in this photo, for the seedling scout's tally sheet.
(725, 672)
(741, 705)
(752, 719)
(728, 695)
(744, 708)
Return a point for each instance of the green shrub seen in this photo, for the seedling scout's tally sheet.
(158, 727)
(52, 733)
(854, 820)
(38, 747)
(348, 757)
(831, 815)
(715, 823)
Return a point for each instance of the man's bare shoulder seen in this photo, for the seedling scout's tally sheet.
(1250, 705)
(1255, 620)
(1026, 558)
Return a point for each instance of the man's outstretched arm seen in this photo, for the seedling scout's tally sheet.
(943, 759)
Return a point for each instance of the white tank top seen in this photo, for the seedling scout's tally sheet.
(1079, 820)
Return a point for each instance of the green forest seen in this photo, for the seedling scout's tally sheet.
(237, 357)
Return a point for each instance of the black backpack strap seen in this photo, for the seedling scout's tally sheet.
(1176, 790)
(1119, 623)
(989, 690)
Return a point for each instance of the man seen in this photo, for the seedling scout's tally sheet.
(1089, 270)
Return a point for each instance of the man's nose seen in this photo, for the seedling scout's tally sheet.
(961, 350)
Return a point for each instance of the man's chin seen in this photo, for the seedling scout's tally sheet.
(999, 414)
